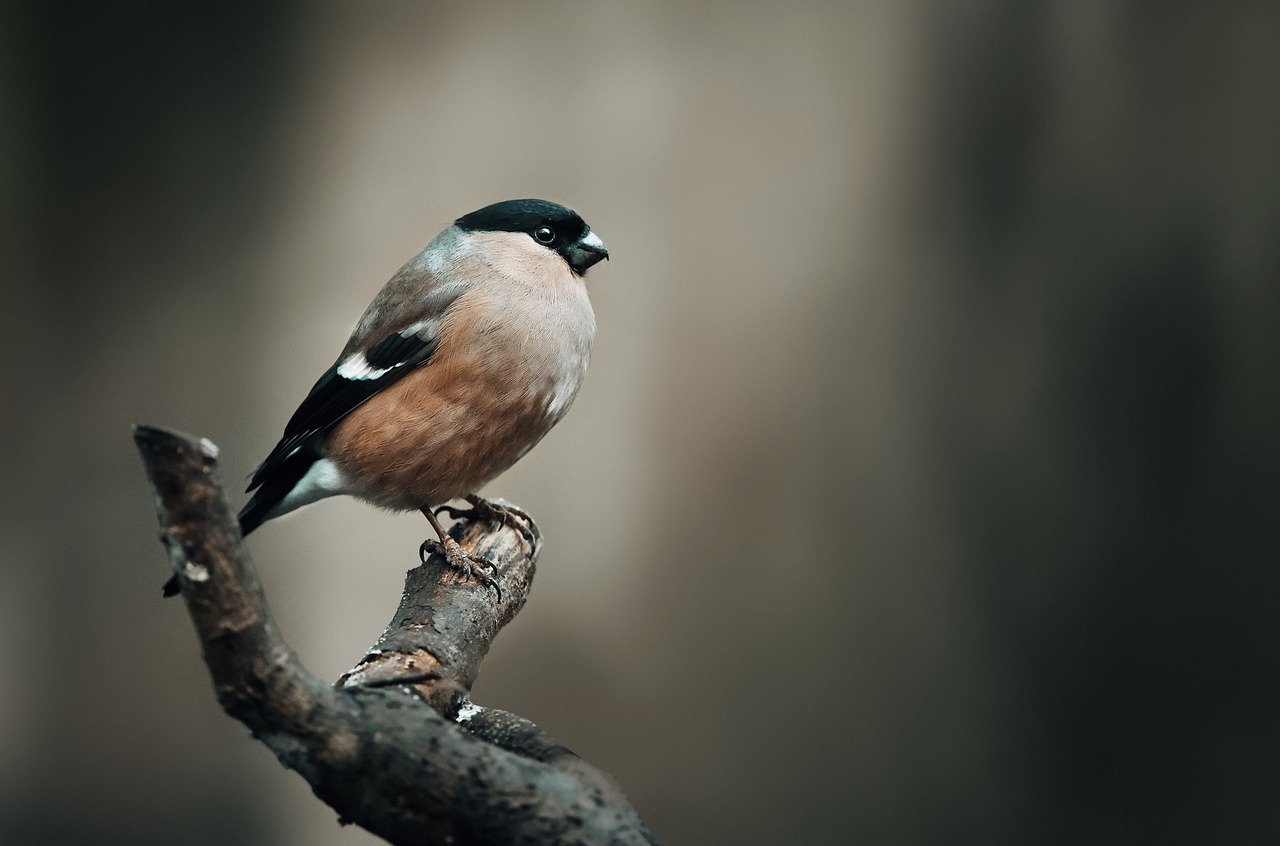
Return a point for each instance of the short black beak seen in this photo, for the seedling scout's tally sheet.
(586, 252)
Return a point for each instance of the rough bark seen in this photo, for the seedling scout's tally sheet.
(395, 746)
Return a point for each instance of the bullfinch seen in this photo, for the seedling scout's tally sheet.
(459, 366)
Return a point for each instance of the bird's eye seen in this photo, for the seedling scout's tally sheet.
(544, 234)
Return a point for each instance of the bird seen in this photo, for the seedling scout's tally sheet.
(463, 361)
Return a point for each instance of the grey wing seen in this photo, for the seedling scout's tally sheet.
(360, 374)
(412, 294)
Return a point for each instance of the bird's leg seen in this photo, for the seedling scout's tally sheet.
(472, 566)
(506, 515)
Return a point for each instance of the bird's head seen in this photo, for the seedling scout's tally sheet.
(550, 225)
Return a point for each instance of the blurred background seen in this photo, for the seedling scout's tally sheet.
(926, 482)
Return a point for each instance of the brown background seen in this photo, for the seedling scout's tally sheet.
(924, 487)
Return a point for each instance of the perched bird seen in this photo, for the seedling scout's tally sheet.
(462, 362)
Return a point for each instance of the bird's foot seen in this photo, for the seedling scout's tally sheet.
(504, 515)
(474, 567)
(492, 512)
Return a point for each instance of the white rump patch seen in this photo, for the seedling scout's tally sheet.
(323, 479)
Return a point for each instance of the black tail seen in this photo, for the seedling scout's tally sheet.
(255, 511)
(273, 489)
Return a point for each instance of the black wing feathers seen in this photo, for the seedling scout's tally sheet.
(334, 396)
(352, 380)
(276, 486)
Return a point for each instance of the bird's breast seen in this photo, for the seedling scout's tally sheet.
(502, 377)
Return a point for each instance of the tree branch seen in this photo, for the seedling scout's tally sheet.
(395, 746)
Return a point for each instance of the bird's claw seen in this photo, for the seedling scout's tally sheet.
(474, 567)
(504, 515)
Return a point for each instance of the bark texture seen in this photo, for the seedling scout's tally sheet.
(395, 746)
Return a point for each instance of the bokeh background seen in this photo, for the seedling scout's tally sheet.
(926, 483)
